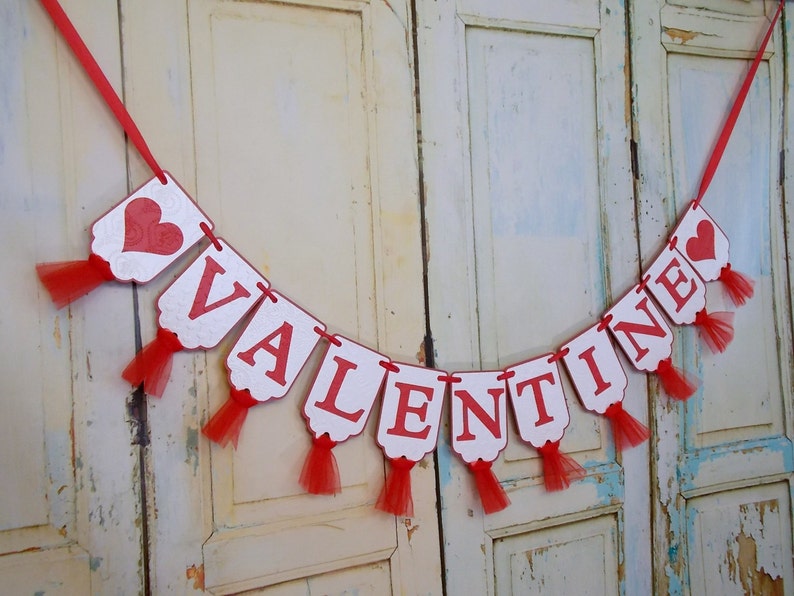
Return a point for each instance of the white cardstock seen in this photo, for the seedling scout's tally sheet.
(479, 415)
(640, 330)
(702, 242)
(676, 286)
(595, 369)
(538, 400)
(148, 230)
(273, 348)
(344, 390)
(410, 414)
(210, 297)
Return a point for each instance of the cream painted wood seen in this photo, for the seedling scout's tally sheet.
(300, 118)
(723, 460)
(69, 515)
(525, 126)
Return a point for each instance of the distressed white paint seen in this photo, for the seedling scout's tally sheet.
(736, 431)
(292, 124)
(69, 503)
(531, 235)
(62, 164)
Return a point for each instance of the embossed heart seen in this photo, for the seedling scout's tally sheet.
(701, 246)
(144, 232)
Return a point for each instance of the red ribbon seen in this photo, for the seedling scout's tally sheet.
(492, 496)
(738, 286)
(736, 108)
(226, 424)
(675, 382)
(92, 68)
(558, 468)
(716, 329)
(627, 431)
(320, 473)
(152, 365)
(67, 281)
(396, 496)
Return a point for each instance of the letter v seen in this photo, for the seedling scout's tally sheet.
(200, 306)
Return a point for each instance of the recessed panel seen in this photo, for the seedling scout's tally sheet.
(291, 141)
(741, 394)
(536, 199)
(740, 542)
(739, 7)
(283, 147)
(575, 558)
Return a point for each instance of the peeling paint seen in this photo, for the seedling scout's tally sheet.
(680, 35)
(753, 578)
(410, 528)
(191, 448)
(197, 575)
(56, 333)
(94, 563)
(421, 356)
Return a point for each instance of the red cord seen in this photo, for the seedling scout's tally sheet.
(83, 54)
(733, 115)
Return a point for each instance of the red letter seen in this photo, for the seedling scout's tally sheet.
(469, 404)
(329, 403)
(630, 328)
(534, 382)
(601, 384)
(671, 285)
(403, 409)
(279, 352)
(200, 306)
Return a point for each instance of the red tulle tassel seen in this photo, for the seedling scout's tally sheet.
(626, 429)
(492, 496)
(675, 382)
(320, 474)
(68, 280)
(558, 468)
(396, 494)
(715, 328)
(152, 365)
(226, 424)
(738, 286)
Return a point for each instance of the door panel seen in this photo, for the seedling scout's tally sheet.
(744, 538)
(538, 562)
(69, 515)
(731, 460)
(303, 133)
(531, 236)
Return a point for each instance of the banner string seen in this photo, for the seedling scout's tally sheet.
(97, 76)
(733, 115)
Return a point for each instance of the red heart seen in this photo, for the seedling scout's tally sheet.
(143, 231)
(701, 247)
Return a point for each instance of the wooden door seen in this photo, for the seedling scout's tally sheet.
(531, 235)
(292, 123)
(722, 461)
(70, 515)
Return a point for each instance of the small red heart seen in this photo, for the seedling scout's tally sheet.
(143, 231)
(701, 246)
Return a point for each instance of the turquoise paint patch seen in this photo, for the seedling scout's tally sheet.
(444, 464)
(94, 563)
(608, 482)
(672, 553)
(689, 467)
